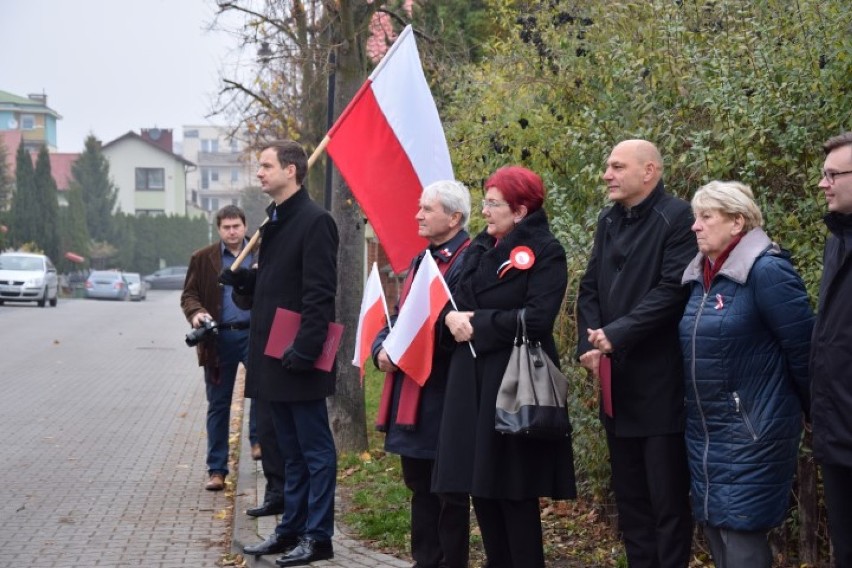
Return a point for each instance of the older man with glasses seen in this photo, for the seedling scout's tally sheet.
(831, 356)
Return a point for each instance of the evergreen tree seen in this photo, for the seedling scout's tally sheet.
(24, 203)
(74, 235)
(90, 173)
(254, 202)
(6, 187)
(123, 236)
(47, 225)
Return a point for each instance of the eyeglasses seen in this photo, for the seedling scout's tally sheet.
(829, 176)
(492, 203)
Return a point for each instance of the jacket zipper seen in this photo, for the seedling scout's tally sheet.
(742, 412)
(706, 451)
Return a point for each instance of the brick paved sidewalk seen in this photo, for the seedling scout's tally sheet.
(348, 553)
(103, 411)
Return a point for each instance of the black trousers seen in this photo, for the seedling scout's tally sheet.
(650, 478)
(511, 532)
(270, 456)
(837, 481)
(440, 524)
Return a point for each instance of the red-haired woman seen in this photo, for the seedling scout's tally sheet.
(515, 263)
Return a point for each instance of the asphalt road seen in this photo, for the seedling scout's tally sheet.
(102, 460)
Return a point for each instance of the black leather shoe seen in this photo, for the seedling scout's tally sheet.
(308, 550)
(266, 510)
(275, 544)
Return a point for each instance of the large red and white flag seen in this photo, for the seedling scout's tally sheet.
(411, 342)
(389, 144)
(373, 317)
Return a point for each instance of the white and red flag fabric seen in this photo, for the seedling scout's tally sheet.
(374, 316)
(389, 144)
(411, 342)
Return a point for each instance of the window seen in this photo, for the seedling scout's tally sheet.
(150, 179)
(209, 145)
(235, 175)
(190, 133)
(234, 145)
(27, 122)
(205, 179)
(214, 174)
(205, 203)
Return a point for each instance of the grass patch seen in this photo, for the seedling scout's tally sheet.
(376, 507)
(377, 501)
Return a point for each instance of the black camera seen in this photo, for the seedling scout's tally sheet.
(209, 328)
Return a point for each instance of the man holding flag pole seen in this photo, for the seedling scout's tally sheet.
(416, 359)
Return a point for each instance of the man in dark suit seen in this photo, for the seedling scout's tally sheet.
(629, 305)
(296, 270)
(831, 358)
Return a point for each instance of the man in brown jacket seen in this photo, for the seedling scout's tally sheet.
(221, 351)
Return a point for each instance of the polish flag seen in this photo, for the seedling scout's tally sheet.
(389, 144)
(411, 342)
(374, 316)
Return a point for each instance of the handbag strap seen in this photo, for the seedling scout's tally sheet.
(521, 327)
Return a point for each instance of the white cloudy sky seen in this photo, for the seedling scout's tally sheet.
(110, 66)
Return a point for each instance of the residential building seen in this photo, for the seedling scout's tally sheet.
(31, 117)
(151, 179)
(225, 166)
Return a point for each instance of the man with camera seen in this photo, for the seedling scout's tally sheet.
(220, 333)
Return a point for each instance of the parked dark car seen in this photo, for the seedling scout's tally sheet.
(107, 285)
(168, 278)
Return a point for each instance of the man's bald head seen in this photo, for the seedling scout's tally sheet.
(634, 169)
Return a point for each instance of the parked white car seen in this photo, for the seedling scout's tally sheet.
(28, 277)
(138, 287)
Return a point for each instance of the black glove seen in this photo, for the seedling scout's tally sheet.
(242, 279)
(295, 363)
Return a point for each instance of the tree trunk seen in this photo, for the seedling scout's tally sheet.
(808, 507)
(347, 412)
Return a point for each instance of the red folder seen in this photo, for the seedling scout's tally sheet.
(605, 374)
(285, 325)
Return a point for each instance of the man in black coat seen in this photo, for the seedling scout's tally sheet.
(297, 271)
(630, 303)
(831, 356)
(410, 415)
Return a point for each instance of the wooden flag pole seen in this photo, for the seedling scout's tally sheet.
(256, 236)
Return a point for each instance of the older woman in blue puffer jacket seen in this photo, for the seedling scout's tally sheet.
(745, 336)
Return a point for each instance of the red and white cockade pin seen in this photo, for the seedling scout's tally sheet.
(720, 302)
(521, 258)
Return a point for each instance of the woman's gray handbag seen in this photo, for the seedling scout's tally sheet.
(533, 393)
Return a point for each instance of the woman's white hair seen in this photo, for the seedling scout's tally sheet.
(732, 198)
(452, 195)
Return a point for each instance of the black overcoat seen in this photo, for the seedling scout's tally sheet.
(296, 270)
(632, 289)
(831, 349)
(472, 457)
